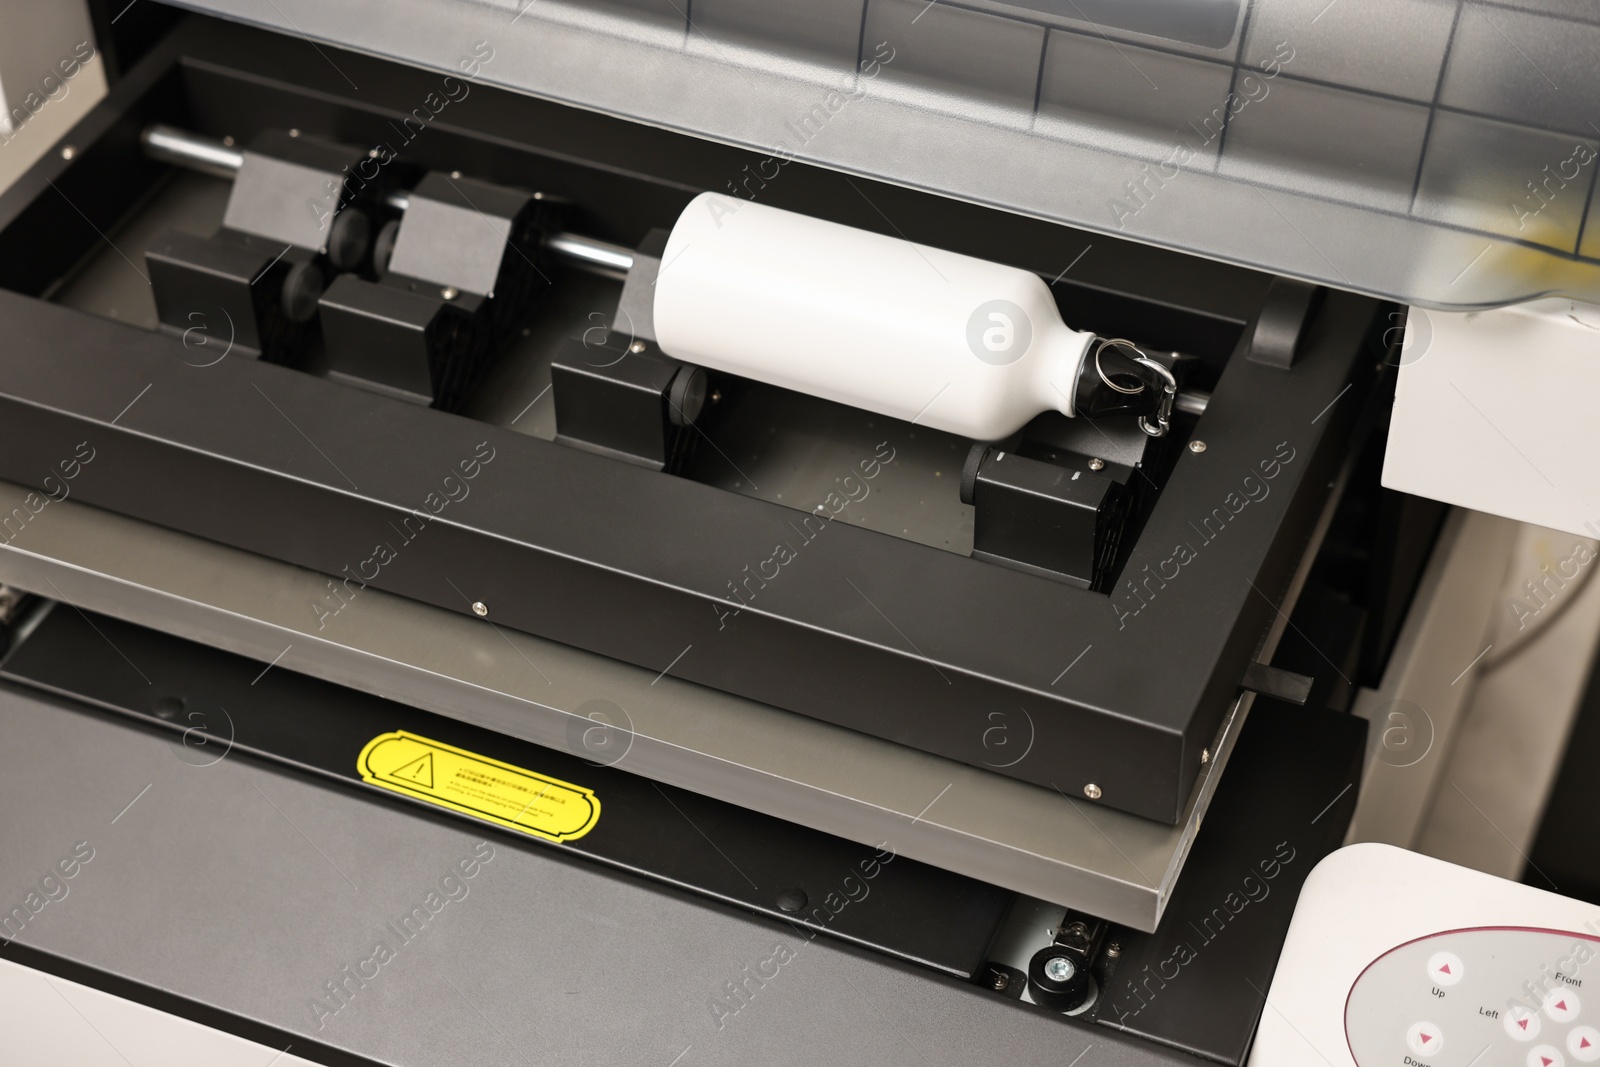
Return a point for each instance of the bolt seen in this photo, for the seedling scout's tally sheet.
(228, 140)
(1114, 950)
(1091, 791)
(1059, 969)
(636, 347)
(455, 175)
(68, 152)
(480, 609)
(449, 292)
(1097, 464)
(1197, 446)
(792, 900)
(1205, 756)
(716, 395)
(294, 133)
(1000, 981)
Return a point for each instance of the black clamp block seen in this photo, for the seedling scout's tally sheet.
(235, 292)
(295, 217)
(459, 273)
(1282, 321)
(1045, 519)
(624, 399)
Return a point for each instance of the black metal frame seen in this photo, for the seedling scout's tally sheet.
(1123, 692)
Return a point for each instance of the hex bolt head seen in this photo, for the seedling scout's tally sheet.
(1059, 969)
(480, 609)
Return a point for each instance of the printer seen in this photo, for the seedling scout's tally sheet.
(904, 531)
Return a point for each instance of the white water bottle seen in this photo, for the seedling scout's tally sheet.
(916, 333)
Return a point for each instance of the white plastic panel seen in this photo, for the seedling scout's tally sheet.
(1494, 411)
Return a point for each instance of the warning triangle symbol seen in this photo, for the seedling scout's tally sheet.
(419, 771)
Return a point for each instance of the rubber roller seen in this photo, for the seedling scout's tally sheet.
(915, 333)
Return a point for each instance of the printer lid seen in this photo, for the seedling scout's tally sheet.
(1438, 152)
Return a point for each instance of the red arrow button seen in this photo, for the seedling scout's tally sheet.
(1546, 1060)
(1425, 1038)
(1523, 1023)
(1444, 969)
(1583, 1042)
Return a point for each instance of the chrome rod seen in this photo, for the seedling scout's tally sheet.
(221, 160)
(1193, 401)
(172, 145)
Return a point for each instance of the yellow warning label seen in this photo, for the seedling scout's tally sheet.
(477, 785)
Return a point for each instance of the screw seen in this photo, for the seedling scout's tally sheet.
(636, 347)
(455, 175)
(792, 900)
(1114, 950)
(1091, 791)
(1097, 464)
(1059, 969)
(68, 152)
(228, 140)
(1000, 981)
(1197, 446)
(294, 133)
(480, 609)
(1205, 756)
(449, 292)
(716, 395)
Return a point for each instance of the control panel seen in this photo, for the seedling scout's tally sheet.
(1490, 995)
(1398, 960)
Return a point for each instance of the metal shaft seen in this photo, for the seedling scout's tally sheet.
(219, 159)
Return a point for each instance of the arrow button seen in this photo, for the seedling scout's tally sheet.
(1445, 968)
(1583, 1044)
(1425, 1039)
(1561, 1005)
(1521, 1024)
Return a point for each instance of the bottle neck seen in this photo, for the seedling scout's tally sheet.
(1057, 377)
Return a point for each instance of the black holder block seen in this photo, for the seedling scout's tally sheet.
(467, 270)
(228, 288)
(637, 406)
(1044, 519)
(398, 341)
